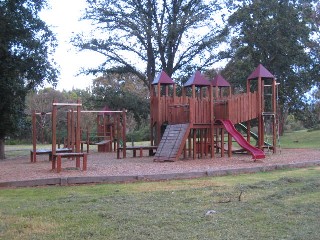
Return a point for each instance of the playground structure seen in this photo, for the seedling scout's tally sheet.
(108, 130)
(37, 124)
(73, 144)
(192, 121)
(189, 121)
(76, 150)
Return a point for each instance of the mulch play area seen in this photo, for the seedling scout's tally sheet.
(105, 167)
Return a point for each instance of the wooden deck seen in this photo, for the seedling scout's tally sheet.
(47, 152)
(134, 149)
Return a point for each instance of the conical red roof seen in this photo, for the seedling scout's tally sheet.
(162, 78)
(260, 71)
(219, 81)
(197, 79)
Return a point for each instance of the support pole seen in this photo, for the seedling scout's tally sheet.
(54, 128)
(78, 133)
(34, 136)
(274, 109)
(124, 133)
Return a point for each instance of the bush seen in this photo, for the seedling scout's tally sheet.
(315, 128)
(141, 134)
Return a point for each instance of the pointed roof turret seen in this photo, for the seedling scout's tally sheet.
(197, 79)
(260, 71)
(219, 81)
(162, 78)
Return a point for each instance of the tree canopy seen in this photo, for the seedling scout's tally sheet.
(145, 36)
(122, 91)
(25, 45)
(280, 35)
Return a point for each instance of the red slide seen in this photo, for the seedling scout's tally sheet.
(255, 152)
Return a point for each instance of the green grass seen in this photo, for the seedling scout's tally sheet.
(301, 139)
(277, 205)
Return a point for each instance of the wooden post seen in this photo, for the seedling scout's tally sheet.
(193, 91)
(274, 109)
(262, 111)
(222, 142)
(260, 119)
(54, 128)
(229, 145)
(189, 144)
(34, 136)
(69, 130)
(194, 143)
(124, 133)
(104, 126)
(88, 139)
(151, 114)
(159, 109)
(118, 134)
(211, 132)
(216, 90)
(201, 142)
(72, 131)
(248, 131)
(78, 133)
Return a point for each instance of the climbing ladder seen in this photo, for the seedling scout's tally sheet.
(172, 142)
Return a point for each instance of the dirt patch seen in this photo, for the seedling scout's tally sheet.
(106, 164)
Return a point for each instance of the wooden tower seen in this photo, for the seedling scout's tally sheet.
(187, 120)
(266, 103)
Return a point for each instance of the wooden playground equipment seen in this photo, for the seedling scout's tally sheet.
(192, 121)
(37, 124)
(76, 150)
(112, 132)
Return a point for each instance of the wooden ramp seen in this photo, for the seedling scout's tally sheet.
(172, 142)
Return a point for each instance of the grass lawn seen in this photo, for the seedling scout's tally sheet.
(301, 139)
(272, 205)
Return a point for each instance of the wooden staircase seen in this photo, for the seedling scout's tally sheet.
(172, 142)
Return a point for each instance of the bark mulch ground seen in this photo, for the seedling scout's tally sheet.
(105, 167)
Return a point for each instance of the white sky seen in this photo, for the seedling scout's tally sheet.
(63, 18)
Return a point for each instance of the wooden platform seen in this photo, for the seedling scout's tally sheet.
(172, 142)
(47, 152)
(57, 162)
(139, 148)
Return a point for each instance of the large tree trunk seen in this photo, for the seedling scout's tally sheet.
(2, 154)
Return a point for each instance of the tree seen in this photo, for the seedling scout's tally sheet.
(144, 36)
(25, 45)
(40, 101)
(122, 91)
(278, 34)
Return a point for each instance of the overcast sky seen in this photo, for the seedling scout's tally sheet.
(63, 17)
